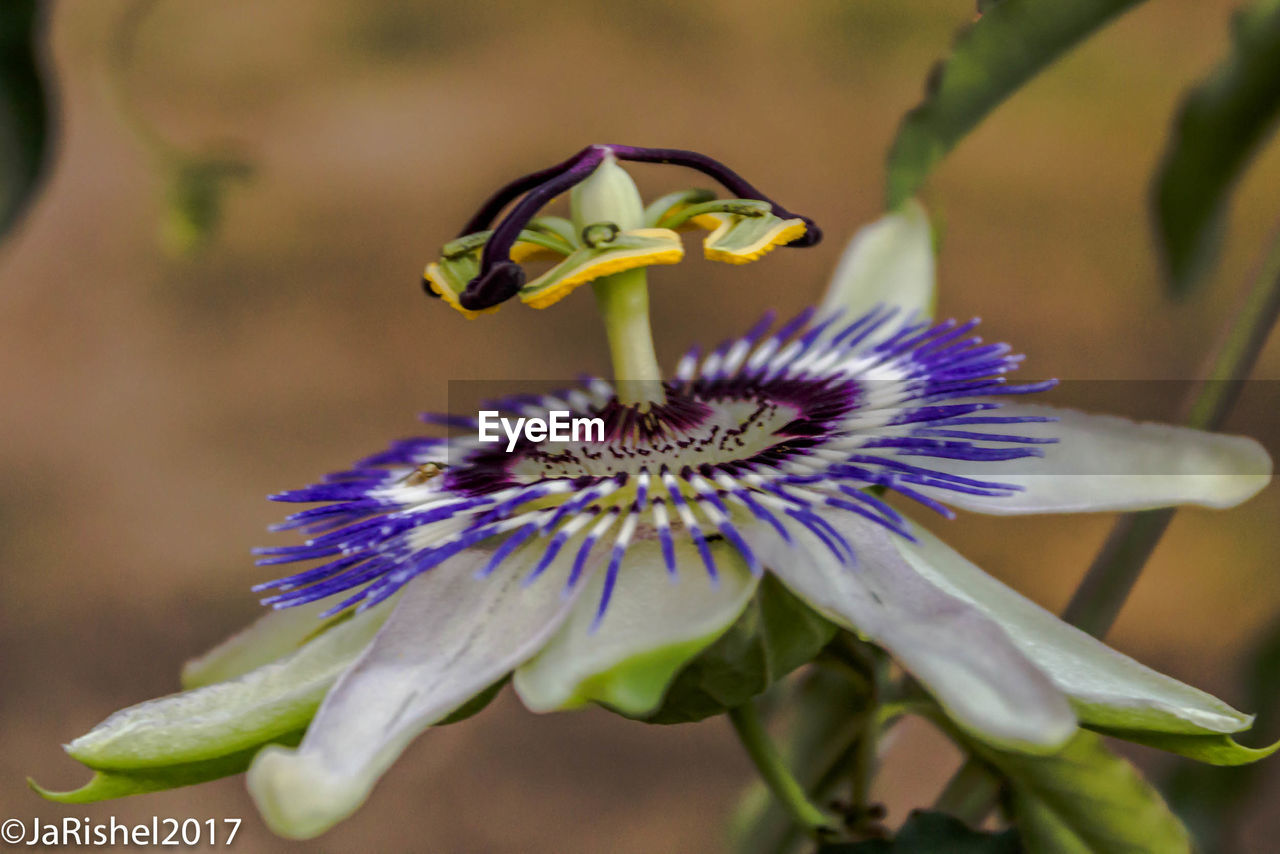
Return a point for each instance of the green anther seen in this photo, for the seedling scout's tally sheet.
(556, 226)
(466, 244)
(461, 246)
(738, 207)
(659, 208)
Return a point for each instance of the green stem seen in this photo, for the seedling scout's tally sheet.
(970, 794)
(1107, 584)
(1240, 347)
(1111, 577)
(866, 755)
(120, 58)
(1114, 572)
(623, 300)
(609, 195)
(777, 776)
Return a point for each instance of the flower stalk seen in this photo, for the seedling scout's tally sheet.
(773, 769)
(623, 301)
(609, 196)
(1107, 584)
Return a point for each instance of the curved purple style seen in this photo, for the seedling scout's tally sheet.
(500, 279)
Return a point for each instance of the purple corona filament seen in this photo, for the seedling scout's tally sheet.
(769, 432)
(499, 278)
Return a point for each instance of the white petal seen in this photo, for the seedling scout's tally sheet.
(1107, 687)
(889, 262)
(212, 721)
(273, 635)
(1102, 462)
(450, 637)
(652, 628)
(963, 658)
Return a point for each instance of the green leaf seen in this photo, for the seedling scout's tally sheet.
(24, 111)
(1223, 121)
(105, 785)
(932, 833)
(1086, 799)
(1212, 749)
(992, 58)
(217, 720)
(775, 634)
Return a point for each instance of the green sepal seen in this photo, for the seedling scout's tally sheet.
(1213, 749)
(272, 636)
(106, 785)
(475, 705)
(220, 719)
(774, 635)
(633, 687)
(664, 206)
(623, 250)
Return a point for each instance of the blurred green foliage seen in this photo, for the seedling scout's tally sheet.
(25, 133)
(1221, 125)
(775, 634)
(1212, 800)
(195, 196)
(932, 833)
(1009, 44)
(1084, 798)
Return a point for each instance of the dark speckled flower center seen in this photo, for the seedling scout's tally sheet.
(794, 424)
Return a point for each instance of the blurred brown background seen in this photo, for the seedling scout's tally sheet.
(149, 402)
